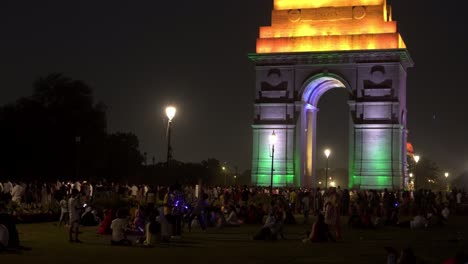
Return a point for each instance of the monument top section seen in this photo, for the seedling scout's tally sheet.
(329, 25)
(300, 4)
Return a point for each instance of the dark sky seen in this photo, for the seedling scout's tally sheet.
(140, 56)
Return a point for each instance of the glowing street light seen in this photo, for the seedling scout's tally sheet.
(170, 113)
(272, 140)
(327, 154)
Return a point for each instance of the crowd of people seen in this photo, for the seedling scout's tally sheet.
(159, 213)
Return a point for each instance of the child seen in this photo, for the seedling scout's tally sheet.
(165, 226)
(152, 230)
(139, 220)
(119, 226)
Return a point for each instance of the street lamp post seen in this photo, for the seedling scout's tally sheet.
(416, 160)
(170, 113)
(327, 154)
(446, 180)
(225, 175)
(272, 155)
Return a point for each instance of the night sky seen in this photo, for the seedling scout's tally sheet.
(140, 56)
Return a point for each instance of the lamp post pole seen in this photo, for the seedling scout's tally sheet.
(416, 160)
(225, 175)
(327, 154)
(170, 113)
(272, 155)
(446, 180)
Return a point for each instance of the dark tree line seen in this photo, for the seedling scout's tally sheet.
(426, 174)
(60, 132)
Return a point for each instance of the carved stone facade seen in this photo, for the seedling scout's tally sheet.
(310, 48)
(288, 89)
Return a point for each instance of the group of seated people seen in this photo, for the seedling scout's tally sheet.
(367, 219)
(272, 228)
(148, 232)
(150, 225)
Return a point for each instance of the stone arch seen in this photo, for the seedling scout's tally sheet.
(317, 85)
(311, 91)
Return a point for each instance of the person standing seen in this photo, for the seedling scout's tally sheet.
(306, 206)
(292, 200)
(7, 187)
(17, 193)
(64, 214)
(74, 208)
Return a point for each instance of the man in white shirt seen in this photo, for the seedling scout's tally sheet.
(134, 191)
(7, 187)
(77, 186)
(17, 193)
(74, 209)
(459, 197)
(91, 190)
(119, 226)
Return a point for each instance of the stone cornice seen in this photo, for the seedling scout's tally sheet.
(334, 57)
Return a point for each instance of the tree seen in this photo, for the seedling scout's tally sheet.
(426, 174)
(58, 132)
(123, 157)
(460, 181)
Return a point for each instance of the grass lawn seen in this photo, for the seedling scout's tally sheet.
(233, 245)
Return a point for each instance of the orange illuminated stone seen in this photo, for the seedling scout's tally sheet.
(329, 25)
(298, 4)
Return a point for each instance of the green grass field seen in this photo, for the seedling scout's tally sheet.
(234, 245)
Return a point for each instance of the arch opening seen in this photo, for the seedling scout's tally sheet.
(312, 91)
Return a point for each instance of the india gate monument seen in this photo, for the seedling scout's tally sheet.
(313, 46)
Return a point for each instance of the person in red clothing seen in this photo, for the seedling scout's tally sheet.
(320, 232)
(104, 228)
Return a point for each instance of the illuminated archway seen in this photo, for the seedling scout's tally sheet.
(312, 91)
(310, 48)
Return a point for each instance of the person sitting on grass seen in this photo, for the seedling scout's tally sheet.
(418, 222)
(119, 228)
(153, 230)
(13, 241)
(320, 232)
(4, 237)
(272, 228)
(232, 219)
